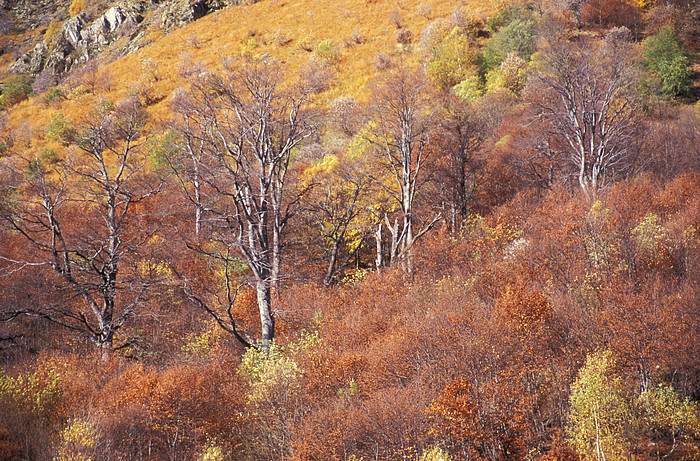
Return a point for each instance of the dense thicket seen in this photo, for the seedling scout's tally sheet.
(496, 255)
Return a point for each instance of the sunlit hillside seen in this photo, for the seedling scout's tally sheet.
(351, 36)
(348, 231)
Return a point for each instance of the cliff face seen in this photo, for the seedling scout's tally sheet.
(29, 14)
(80, 40)
(88, 35)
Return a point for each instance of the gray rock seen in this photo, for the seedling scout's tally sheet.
(180, 12)
(113, 18)
(81, 40)
(32, 62)
(62, 57)
(72, 29)
(30, 14)
(37, 60)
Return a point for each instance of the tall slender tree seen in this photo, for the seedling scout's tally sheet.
(79, 218)
(402, 118)
(458, 139)
(245, 124)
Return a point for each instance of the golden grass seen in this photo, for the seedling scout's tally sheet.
(280, 28)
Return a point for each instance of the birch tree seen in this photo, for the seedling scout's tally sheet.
(582, 93)
(245, 123)
(600, 416)
(79, 217)
(402, 118)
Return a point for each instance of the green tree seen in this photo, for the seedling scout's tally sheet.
(670, 415)
(452, 60)
(16, 90)
(600, 412)
(667, 60)
(517, 37)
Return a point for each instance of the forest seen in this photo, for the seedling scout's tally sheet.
(364, 230)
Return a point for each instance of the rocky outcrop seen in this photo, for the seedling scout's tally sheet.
(29, 14)
(81, 40)
(178, 13)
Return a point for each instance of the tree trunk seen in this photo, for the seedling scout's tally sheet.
(105, 348)
(267, 320)
(394, 249)
(330, 273)
(276, 253)
(407, 245)
(379, 262)
(198, 202)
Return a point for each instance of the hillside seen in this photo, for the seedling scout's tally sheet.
(311, 230)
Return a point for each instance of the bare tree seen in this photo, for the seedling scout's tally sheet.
(581, 92)
(244, 125)
(79, 218)
(186, 160)
(403, 118)
(459, 137)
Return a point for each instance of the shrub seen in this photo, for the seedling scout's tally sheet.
(452, 60)
(16, 90)
(280, 38)
(435, 454)
(469, 89)
(53, 29)
(327, 51)
(212, 452)
(59, 129)
(433, 34)
(667, 60)
(383, 61)
(668, 412)
(306, 43)
(250, 44)
(274, 386)
(269, 373)
(357, 37)
(77, 7)
(30, 410)
(517, 37)
(424, 10)
(609, 13)
(78, 442)
(53, 95)
(404, 36)
(504, 17)
(510, 74)
(48, 78)
(396, 18)
(50, 156)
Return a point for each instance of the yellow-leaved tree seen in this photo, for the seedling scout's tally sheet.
(600, 414)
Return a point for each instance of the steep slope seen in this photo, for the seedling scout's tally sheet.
(351, 38)
(71, 35)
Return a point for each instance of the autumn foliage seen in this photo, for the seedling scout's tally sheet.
(479, 240)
